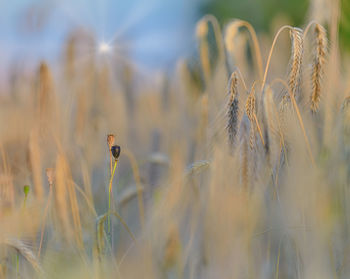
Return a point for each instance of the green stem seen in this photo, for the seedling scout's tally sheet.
(44, 220)
(110, 195)
(17, 265)
(25, 201)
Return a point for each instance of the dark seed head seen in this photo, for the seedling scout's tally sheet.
(115, 151)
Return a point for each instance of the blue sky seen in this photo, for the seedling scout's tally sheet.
(158, 31)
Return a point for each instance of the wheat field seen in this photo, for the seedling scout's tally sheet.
(236, 167)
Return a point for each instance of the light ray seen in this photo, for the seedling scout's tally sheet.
(137, 15)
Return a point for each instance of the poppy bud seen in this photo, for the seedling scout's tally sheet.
(26, 190)
(50, 173)
(110, 140)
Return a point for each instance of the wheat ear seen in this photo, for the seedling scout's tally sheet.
(233, 111)
(296, 60)
(25, 252)
(318, 65)
(250, 111)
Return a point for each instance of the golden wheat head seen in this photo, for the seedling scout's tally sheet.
(296, 59)
(320, 51)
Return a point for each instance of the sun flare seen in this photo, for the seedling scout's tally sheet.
(104, 48)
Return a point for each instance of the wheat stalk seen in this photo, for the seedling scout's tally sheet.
(217, 34)
(50, 173)
(36, 163)
(244, 156)
(297, 49)
(271, 113)
(231, 31)
(45, 91)
(62, 205)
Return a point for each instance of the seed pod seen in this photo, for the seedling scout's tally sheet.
(50, 173)
(115, 151)
(110, 140)
(26, 190)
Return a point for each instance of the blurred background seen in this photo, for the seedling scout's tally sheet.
(155, 33)
(74, 71)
